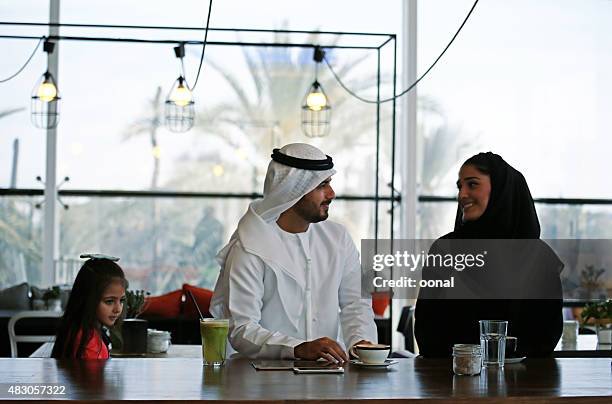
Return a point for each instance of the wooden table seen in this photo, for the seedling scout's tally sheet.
(585, 346)
(175, 351)
(534, 380)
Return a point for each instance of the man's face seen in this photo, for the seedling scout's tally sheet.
(314, 206)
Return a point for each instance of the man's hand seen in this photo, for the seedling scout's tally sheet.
(325, 348)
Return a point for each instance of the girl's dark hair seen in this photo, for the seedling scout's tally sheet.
(80, 314)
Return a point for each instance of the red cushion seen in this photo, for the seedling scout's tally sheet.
(167, 306)
(380, 302)
(202, 296)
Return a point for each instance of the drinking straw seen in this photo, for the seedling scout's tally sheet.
(196, 304)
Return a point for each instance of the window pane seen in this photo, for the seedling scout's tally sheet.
(435, 219)
(162, 242)
(247, 100)
(20, 240)
(22, 146)
(556, 221)
(165, 242)
(525, 79)
(111, 136)
(575, 221)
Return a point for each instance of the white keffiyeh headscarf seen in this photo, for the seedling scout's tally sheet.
(285, 186)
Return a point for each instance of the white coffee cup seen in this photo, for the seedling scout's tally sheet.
(373, 354)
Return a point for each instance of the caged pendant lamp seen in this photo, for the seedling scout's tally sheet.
(179, 112)
(316, 109)
(45, 99)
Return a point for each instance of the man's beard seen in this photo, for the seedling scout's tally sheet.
(312, 216)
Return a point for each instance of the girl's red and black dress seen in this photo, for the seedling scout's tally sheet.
(95, 347)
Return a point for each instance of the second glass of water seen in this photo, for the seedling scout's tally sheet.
(493, 342)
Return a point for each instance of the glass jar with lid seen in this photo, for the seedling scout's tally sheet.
(158, 341)
(467, 359)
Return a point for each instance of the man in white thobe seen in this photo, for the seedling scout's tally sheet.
(290, 281)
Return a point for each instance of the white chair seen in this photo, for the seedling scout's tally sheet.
(14, 339)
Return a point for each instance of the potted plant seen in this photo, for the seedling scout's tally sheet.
(52, 298)
(129, 335)
(600, 314)
(590, 281)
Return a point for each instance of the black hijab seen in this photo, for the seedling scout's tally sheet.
(510, 213)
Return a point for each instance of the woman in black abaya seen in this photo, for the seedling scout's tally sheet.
(494, 202)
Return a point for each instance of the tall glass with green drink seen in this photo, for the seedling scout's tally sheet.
(214, 340)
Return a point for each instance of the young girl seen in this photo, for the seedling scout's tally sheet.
(96, 300)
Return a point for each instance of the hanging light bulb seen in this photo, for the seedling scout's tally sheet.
(181, 95)
(316, 108)
(45, 99)
(316, 99)
(47, 91)
(179, 114)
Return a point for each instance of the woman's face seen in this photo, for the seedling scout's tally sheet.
(474, 191)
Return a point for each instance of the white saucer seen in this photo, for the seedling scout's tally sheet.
(509, 361)
(388, 362)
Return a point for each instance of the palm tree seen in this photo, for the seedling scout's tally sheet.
(265, 109)
(8, 112)
(443, 147)
(148, 125)
(19, 251)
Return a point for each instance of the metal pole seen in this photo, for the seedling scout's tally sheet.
(408, 157)
(392, 184)
(161, 27)
(50, 228)
(376, 193)
(393, 129)
(407, 142)
(15, 163)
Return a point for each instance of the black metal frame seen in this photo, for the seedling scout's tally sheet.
(165, 194)
(393, 197)
(547, 201)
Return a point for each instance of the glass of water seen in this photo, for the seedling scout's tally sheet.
(493, 342)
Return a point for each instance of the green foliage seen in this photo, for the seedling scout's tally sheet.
(53, 293)
(589, 277)
(597, 311)
(134, 302)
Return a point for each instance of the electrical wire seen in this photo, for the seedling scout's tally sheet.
(203, 47)
(413, 84)
(25, 64)
(182, 68)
